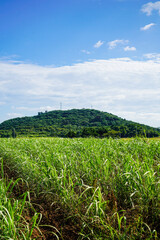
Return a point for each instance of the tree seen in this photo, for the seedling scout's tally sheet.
(71, 134)
(14, 134)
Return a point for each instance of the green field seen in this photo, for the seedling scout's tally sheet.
(103, 188)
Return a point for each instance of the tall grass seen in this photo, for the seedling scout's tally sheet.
(13, 225)
(112, 186)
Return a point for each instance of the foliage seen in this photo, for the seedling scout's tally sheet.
(14, 134)
(13, 225)
(110, 185)
(75, 123)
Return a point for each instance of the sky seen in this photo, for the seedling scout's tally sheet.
(65, 54)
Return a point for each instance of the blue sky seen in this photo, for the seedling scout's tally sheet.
(81, 53)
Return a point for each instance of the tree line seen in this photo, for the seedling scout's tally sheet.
(75, 123)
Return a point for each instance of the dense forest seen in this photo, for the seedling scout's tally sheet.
(75, 123)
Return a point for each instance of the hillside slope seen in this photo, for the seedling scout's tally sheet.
(75, 123)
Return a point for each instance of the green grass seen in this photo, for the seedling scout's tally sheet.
(112, 187)
(13, 225)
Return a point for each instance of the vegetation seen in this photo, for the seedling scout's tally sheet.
(13, 223)
(109, 188)
(75, 123)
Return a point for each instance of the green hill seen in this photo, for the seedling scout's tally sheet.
(75, 123)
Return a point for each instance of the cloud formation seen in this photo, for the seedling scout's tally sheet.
(127, 48)
(148, 26)
(116, 42)
(122, 86)
(98, 44)
(150, 7)
(85, 51)
(14, 115)
(153, 56)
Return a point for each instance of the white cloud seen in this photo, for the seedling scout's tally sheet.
(14, 115)
(150, 7)
(118, 86)
(37, 109)
(153, 56)
(98, 44)
(129, 48)
(85, 51)
(116, 42)
(153, 117)
(125, 59)
(148, 26)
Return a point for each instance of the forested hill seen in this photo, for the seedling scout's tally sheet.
(75, 123)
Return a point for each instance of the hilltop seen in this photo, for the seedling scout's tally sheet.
(75, 123)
